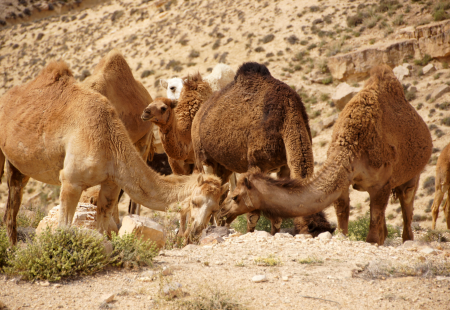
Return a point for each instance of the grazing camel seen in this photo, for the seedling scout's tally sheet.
(174, 120)
(380, 144)
(258, 122)
(442, 184)
(58, 131)
(113, 79)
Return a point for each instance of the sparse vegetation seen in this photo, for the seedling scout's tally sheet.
(424, 61)
(4, 245)
(211, 299)
(436, 235)
(268, 38)
(358, 229)
(194, 54)
(311, 260)
(129, 251)
(269, 261)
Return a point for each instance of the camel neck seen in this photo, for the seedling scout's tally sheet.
(308, 198)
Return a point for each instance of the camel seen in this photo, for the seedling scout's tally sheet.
(442, 184)
(380, 144)
(255, 122)
(58, 131)
(174, 120)
(113, 79)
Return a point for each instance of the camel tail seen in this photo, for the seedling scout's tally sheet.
(2, 165)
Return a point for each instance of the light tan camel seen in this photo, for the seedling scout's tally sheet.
(258, 122)
(174, 119)
(58, 131)
(113, 79)
(380, 144)
(442, 184)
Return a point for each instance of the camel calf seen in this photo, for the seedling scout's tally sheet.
(442, 185)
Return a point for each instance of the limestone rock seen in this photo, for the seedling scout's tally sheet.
(144, 228)
(85, 216)
(262, 234)
(400, 72)
(330, 120)
(412, 89)
(429, 251)
(107, 298)
(211, 240)
(173, 290)
(283, 236)
(325, 236)
(220, 231)
(408, 66)
(428, 69)
(440, 91)
(344, 93)
(259, 278)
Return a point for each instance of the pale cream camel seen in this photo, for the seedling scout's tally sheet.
(442, 185)
(58, 131)
(380, 144)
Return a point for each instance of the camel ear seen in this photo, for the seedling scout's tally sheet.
(163, 83)
(200, 179)
(247, 183)
(185, 81)
(224, 188)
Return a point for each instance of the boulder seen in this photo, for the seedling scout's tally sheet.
(85, 217)
(283, 235)
(144, 228)
(330, 120)
(440, 91)
(211, 239)
(428, 69)
(344, 93)
(325, 236)
(220, 231)
(259, 278)
(400, 72)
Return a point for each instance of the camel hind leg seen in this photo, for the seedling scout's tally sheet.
(379, 198)
(107, 199)
(16, 182)
(438, 197)
(447, 210)
(405, 194)
(69, 196)
(2, 165)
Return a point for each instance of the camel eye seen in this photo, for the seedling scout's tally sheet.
(172, 88)
(235, 198)
(163, 109)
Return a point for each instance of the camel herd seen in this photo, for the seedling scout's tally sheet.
(99, 132)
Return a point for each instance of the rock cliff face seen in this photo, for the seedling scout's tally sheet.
(432, 39)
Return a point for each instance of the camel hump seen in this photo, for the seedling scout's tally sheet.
(383, 75)
(55, 71)
(192, 81)
(113, 62)
(252, 68)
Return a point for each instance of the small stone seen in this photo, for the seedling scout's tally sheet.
(283, 235)
(409, 244)
(107, 298)
(259, 278)
(57, 285)
(428, 69)
(166, 271)
(429, 251)
(412, 89)
(44, 283)
(440, 278)
(329, 121)
(325, 236)
(173, 290)
(400, 72)
(262, 233)
(285, 278)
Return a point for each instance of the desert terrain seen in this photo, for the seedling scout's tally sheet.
(300, 42)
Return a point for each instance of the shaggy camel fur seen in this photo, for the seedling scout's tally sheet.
(442, 185)
(256, 121)
(113, 79)
(380, 144)
(58, 131)
(174, 120)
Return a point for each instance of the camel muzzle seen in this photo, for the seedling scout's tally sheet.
(146, 116)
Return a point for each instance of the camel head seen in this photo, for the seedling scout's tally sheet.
(204, 202)
(173, 86)
(159, 111)
(243, 199)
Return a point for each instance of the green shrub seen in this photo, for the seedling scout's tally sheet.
(424, 61)
(240, 224)
(440, 11)
(355, 20)
(435, 235)
(52, 256)
(4, 245)
(268, 38)
(194, 54)
(358, 229)
(129, 251)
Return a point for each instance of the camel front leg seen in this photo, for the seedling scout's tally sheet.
(107, 198)
(405, 194)
(252, 220)
(378, 201)
(342, 207)
(70, 195)
(275, 225)
(447, 210)
(16, 182)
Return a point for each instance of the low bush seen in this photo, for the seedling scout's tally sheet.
(435, 235)
(240, 224)
(4, 245)
(358, 229)
(129, 251)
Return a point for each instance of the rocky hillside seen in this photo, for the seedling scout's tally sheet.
(311, 45)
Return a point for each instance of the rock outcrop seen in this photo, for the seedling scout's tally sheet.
(432, 39)
(343, 94)
(143, 228)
